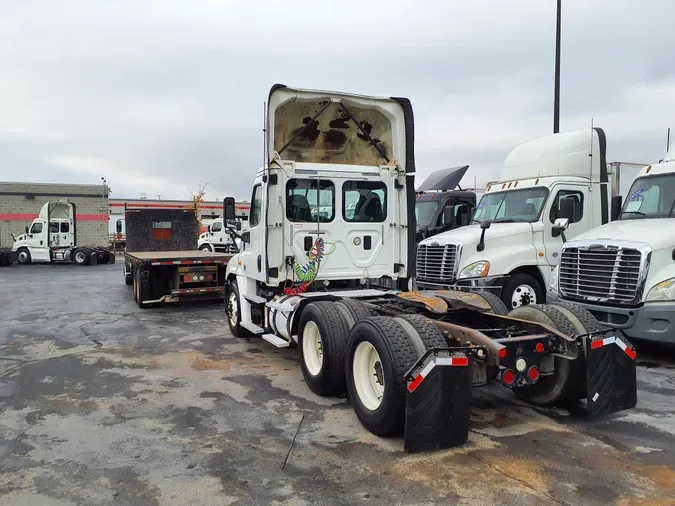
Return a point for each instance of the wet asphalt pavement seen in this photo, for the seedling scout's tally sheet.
(102, 403)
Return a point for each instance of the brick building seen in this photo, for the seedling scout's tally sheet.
(20, 204)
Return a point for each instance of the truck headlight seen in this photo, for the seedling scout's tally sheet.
(664, 291)
(475, 270)
(553, 280)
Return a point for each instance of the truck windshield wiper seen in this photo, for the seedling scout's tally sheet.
(507, 220)
(635, 212)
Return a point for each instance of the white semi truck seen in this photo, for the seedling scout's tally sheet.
(512, 243)
(52, 237)
(624, 272)
(217, 238)
(406, 359)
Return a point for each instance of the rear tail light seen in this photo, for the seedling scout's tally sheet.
(502, 353)
(533, 373)
(539, 348)
(187, 278)
(508, 377)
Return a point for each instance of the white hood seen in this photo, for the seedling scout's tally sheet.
(470, 234)
(650, 231)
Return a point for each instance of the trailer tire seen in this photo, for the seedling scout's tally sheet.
(372, 341)
(80, 256)
(496, 304)
(430, 334)
(111, 257)
(233, 311)
(353, 310)
(566, 384)
(522, 290)
(23, 256)
(128, 280)
(93, 258)
(322, 340)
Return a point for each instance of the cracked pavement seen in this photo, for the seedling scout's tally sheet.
(102, 403)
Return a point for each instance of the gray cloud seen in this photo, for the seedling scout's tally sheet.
(155, 96)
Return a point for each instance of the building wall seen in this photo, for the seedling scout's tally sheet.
(20, 204)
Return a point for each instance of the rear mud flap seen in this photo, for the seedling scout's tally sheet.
(611, 377)
(438, 400)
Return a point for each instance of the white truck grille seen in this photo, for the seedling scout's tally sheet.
(602, 273)
(437, 263)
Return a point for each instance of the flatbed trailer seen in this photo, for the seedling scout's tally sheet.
(173, 276)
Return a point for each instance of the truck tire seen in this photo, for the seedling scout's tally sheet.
(23, 256)
(496, 304)
(93, 258)
(520, 290)
(233, 311)
(353, 310)
(322, 340)
(80, 256)
(566, 384)
(205, 247)
(128, 280)
(379, 352)
(583, 321)
(430, 334)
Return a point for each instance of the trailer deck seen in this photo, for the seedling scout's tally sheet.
(173, 256)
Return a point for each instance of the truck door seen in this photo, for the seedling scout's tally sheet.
(38, 241)
(569, 201)
(217, 233)
(67, 234)
(252, 257)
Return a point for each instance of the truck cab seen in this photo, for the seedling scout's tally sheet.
(624, 272)
(333, 207)
(440, 206)
(512, 243)
(217, 238)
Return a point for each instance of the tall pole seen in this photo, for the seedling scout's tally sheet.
(556, 97)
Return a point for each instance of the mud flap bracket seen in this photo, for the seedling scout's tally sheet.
(611, 377)
(438, 398)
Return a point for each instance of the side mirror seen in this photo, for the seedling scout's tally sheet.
(26, 229)
(237, 225)
(246, 237)
(560, 226)
(484, 225)
(448, 217)
(228, 209)
(617, 204)
(566, 208)
(208, 228)
(118, 226)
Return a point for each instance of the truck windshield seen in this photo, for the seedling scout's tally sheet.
(510, 206)
(425, 212)
(650, 197)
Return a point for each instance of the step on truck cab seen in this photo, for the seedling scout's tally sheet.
(52, 238)
(624, 272)
(333, 212)
(441, 203)
(512, 243)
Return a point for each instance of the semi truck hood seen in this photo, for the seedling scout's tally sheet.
(338, 128)
(470, 234)
(651, 231)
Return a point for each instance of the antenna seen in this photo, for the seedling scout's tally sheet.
(668, 140)
(591, 155)
(264, 134)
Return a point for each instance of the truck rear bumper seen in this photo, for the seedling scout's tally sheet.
(654, 321)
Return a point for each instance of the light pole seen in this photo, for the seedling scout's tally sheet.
(556, 86)
(103, 206)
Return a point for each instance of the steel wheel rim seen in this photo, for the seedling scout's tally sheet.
(23, 257)
(312, 348)
(232, 309)
(523, 295)
(79, 257)
(368, 376)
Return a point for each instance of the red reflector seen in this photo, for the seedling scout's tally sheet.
(539, 348)
(502, 353)
(415, 383)
(460, 361)
(533, 373)
(187, 278)
(597, 344)
(631, 353)
(508, 376)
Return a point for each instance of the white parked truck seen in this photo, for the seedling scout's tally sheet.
(624, 272)
(512, 243)
(304, 277)
(52, 237)
(217, 238)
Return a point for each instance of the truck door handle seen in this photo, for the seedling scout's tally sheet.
(259, 263)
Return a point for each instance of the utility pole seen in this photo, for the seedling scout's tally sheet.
(556, 92)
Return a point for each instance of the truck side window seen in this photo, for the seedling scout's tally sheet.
(65, 227)
(256, 206)
(36, 228)
(578, 200)
(308, 202)
(364, 201)
(216, 227)
(54, 227)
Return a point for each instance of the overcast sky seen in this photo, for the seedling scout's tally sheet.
(158, 96)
